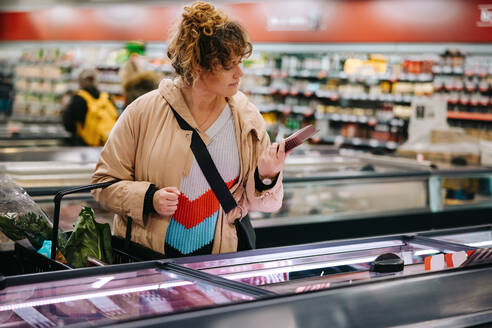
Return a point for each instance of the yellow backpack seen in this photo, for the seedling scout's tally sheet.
(100, 119)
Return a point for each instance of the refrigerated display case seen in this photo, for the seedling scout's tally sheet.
(363, 204)
(339, 187)
(480, 236)
(462, 187)
(342, 290)
(40, 170)
(162, 293)
(327, 194)
(33, 135)
(454, 298)
(318, 161)
(98, 296)
(44, 171)
(48, 166)
(296, 269)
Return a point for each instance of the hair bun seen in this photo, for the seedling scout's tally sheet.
(204, 17)
(204, 38)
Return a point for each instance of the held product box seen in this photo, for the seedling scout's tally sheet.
(299, 137)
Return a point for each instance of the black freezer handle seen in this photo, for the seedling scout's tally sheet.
(58, 197)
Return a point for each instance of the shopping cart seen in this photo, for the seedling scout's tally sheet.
(124, 250)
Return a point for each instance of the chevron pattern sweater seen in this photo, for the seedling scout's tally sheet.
(192, 227)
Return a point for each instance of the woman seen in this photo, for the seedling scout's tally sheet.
(163, 190)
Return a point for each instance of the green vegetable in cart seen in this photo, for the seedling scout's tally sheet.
(38, 226)
(9, 228)
(89, 238)
(31, 226)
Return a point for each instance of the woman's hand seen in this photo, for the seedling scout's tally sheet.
(166, 200)
(271, 161)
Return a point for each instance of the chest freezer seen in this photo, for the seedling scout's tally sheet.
(473, 236)
(108, 295)
(297, 269)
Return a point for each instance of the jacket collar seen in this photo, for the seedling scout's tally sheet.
(170, 91)
(246, 113)
(239, 103)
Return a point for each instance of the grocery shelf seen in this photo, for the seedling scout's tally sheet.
(395, 121)
(469, 116)
(289, 82)
(360, 142)
(331, 95)
(316, 74)
(35, 119)
(400, 47)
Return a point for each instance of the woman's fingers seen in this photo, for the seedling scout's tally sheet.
(272, 151)
(170, 210)
(172, 190)
(166, 200)
(171, 197)
(281, 150)
(170, 203)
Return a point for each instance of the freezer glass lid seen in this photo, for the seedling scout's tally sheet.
(301, 166)
(108, 298)
(481, 239)
(298, 271)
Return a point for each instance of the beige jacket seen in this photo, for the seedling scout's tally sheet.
(147, 146)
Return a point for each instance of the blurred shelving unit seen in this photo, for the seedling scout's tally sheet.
(359, 97)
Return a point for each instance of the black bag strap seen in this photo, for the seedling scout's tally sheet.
(208, 167)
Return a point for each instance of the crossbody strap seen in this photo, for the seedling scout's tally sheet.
(208, 167)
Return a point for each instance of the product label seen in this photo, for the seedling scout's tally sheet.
(106, 305)
(34, 317)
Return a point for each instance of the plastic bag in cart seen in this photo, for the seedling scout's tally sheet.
(21, 218)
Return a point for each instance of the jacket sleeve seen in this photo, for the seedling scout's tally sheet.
(117, 161)
(269, 200)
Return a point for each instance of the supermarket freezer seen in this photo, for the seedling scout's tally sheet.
(98, 296)
(478, 236)
(44, 171)
(158, 293)
(58, 166)
(333, 207)
(295, 269)
(327, 195)
(41, 170)
(457, 298)
(32, 135)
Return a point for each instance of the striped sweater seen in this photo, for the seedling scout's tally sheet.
(192, 227)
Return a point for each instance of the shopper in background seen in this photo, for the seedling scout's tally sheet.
(137, 81)
(162, 189)
(6, 94)
(90, 114)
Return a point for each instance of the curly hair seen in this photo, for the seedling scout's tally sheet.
(204, 38)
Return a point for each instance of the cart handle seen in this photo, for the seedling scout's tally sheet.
(58, 197)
